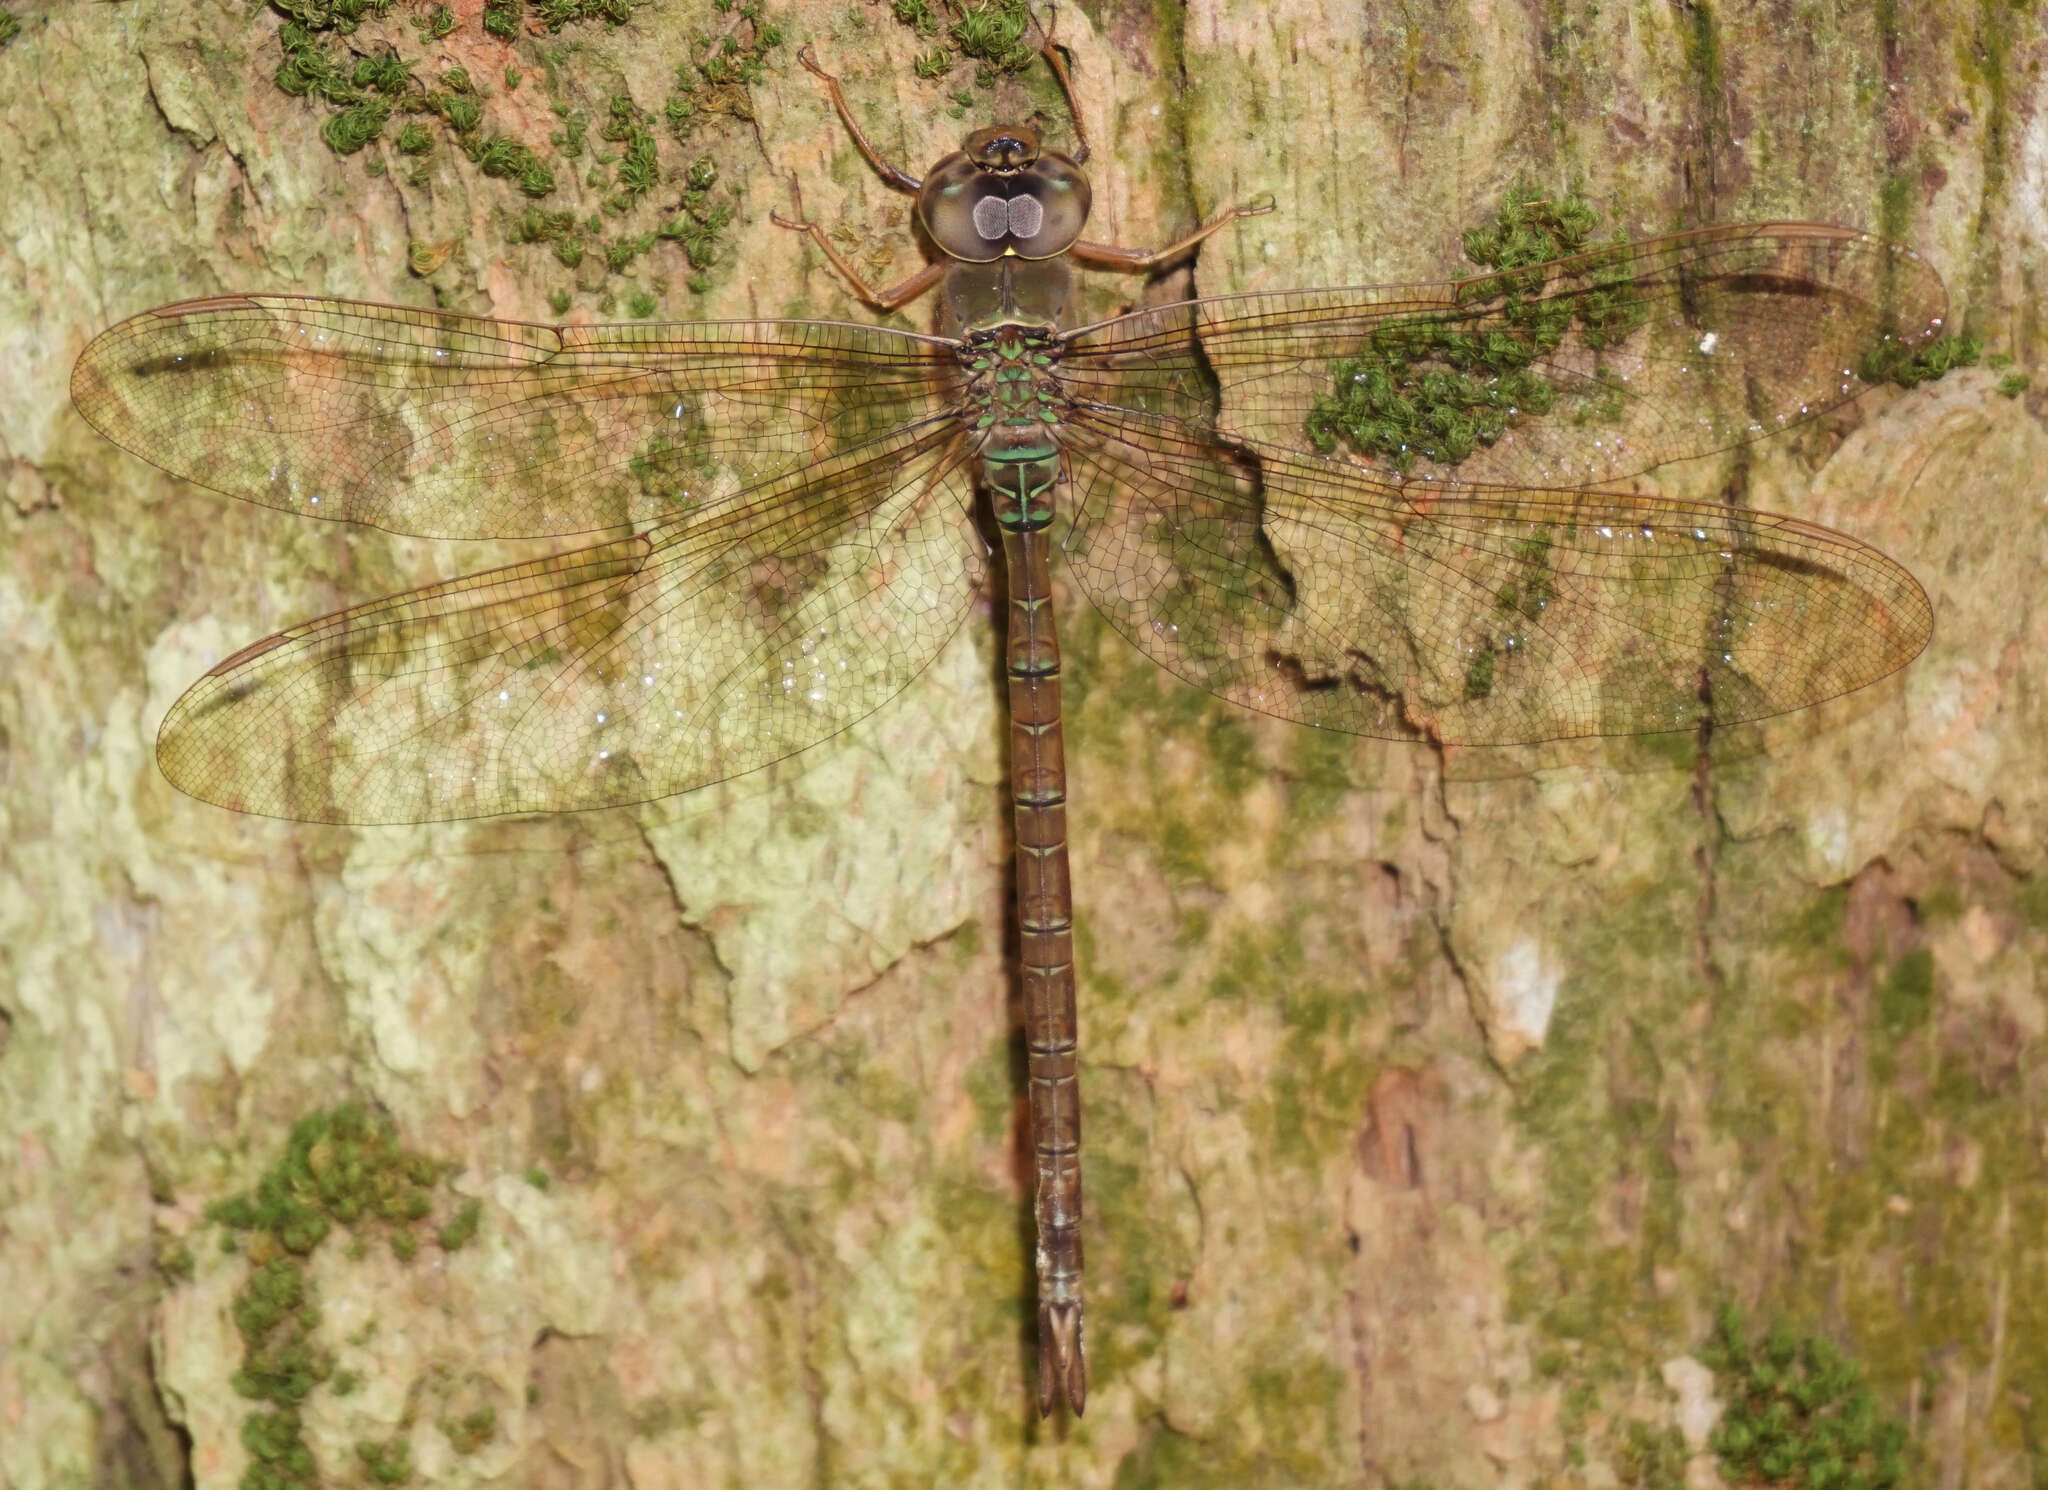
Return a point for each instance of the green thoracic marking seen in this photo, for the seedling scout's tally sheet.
(1022, 454)
(1018, 477)
(1440, 386)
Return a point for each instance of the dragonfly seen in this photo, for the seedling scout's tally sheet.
(1396, 512)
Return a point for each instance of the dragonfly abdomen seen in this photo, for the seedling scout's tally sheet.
(1020, 483)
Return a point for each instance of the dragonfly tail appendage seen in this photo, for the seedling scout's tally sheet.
(1062, 1362)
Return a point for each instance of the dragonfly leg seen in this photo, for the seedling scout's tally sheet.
(893, 298)
(900, 179)
(1058, 63)
(1140, 260)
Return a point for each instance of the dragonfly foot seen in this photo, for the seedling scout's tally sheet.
(809, 59)
(799, 223)
(1062, 1364)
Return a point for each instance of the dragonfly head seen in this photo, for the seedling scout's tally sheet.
(1003, 194)
(1003, 148)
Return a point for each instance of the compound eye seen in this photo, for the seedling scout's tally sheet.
(1018, 217)
(1027, 216)
(991, 218)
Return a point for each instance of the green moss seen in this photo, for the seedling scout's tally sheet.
(994, 33)
(175, 1261)
(502, 157)
(1905, 997)
(1441, 385)
(280, 1459)
(462, 112)
(2012, 385)
(701, 224)
(727, 63)
(1703, 49)
(10, 25)
(1890, 361)
(501, 18)
(386, 73)
(620, 252)
(1318, 774)
(337, 15)
(386, 1463)
(639, 166)
(340, 1166)
(991, 1085)
(472, 1430)
(1594, 1101)
(1651, 1458)
(355, 126)
(461, 1230)
(555, 14)
(1298, 1412)
(1816, 926)
(919, 15)
(436, 22)
(1798, 1413)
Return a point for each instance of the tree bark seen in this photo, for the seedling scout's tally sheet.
(1435, 1100)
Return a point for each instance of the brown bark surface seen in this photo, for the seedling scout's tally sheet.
(1433, 1103)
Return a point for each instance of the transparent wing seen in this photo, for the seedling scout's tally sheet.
(1308, 589)
(706, 647)
(1584, 370)
(452, 426)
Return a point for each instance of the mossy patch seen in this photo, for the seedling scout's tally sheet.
(1799, 1413)
(1298, 1413)
(556, 14)
(999, 37)
(1891, 361)
(1441, 385)
(371, 72)
(1905, 996)
(345, 1167)
(471, 1430)
(1596, 1102)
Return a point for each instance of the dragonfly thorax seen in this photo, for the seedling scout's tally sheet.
(1012, 382)
(1014, 403)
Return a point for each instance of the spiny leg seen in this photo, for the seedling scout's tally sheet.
(900, 179)
(1143, 260)
(893, 298)
(1049, 49)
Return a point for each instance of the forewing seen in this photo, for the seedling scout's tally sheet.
(453, 426)
(1585, 370)
(1495, 615)
(707, 647)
